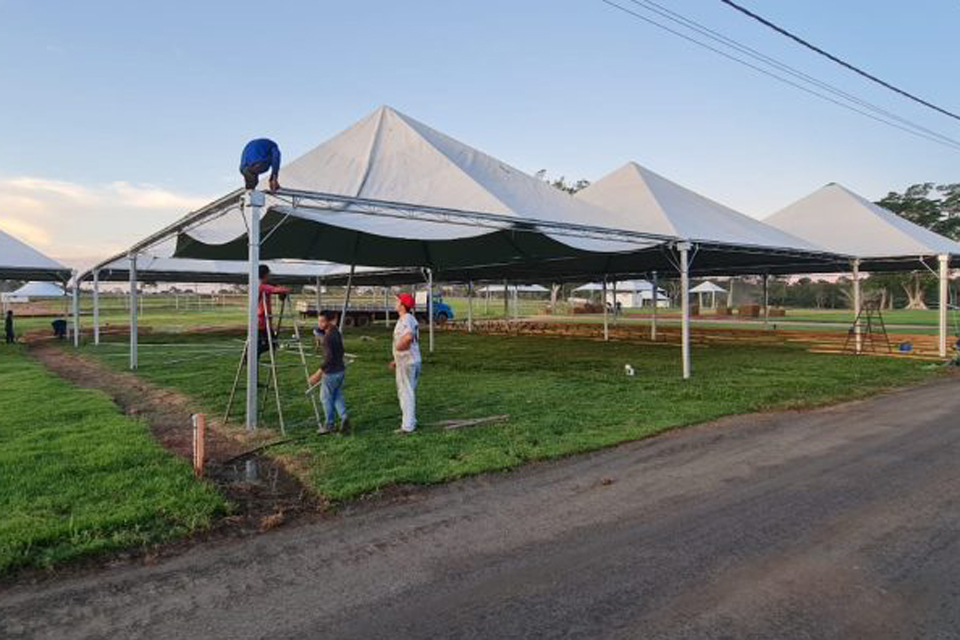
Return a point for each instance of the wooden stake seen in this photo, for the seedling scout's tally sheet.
(199, 436)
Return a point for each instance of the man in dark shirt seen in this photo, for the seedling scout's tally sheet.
(258, 156)
(331, 374)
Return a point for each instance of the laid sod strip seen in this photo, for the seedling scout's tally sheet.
(78, 478)
(561, 396)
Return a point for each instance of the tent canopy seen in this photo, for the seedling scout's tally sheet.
(636, 286)
(20, 261)
(151, 268)
(380, 194)
(707, 287)
(36, 290)
(843, 221)
(520, 288)
(728, 241)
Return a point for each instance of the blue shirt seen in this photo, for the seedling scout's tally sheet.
(261, 150)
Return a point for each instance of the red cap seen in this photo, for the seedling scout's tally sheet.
(407, 300)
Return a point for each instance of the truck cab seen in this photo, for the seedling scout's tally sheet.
(441, 310)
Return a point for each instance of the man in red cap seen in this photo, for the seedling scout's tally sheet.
(406, 361)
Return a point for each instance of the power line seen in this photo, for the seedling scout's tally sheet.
(665, 12)
(915, 130)
(841, 62)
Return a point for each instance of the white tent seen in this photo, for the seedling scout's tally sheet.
(519, 288)
(845, 222)
(708, 287)
(663, 206)
(33, 290)
(392, 192)
(20, 261)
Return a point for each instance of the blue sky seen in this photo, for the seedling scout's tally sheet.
(118, 116)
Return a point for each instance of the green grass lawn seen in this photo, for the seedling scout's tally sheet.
(563, 396)
(77, 477)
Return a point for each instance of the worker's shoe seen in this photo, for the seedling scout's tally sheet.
(403, 432)
(346, 426)
(322, 431)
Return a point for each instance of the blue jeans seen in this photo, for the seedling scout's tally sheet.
(331, 397)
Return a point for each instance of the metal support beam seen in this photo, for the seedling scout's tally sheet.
(857, 306)
(656, 301)
(252, 203)
(76, 310)
(684, 248)
(944, 261)
(506, 301)
(470, 307)
(603, 301)
(346, 299)
(614, 302)
(766, 301)
(430, 305)
(386, 307)
(133, 311)
(96, 307)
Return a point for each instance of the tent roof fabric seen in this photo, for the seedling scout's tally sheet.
(20, 261)
(658, 204)
(37, 290)
(843, 221)
(391, 158)
(521, 288)
(707, 287)
(160, 269)
(624, 286)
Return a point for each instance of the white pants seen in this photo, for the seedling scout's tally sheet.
(408, 374)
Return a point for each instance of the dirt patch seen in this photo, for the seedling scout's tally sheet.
(273, 496)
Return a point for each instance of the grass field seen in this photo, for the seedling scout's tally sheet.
(562, 395)
(78, 478)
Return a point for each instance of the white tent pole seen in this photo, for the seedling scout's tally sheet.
(516, 302)
(76, 309)
(252, 202)
(470, 307)
(606, 323)
(133, 311)
(506, 301)
(96, 307)
(614, 302)
(656, 301)
(858, 338)
(319, 298)
(766, 300)
(685, 306)
(346, 299)
(430, 305)
(944, 260)
(386, 307)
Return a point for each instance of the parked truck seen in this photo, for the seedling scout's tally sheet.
(366, 314)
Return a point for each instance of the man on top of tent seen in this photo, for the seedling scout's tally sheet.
(258, 156)
(265, 309)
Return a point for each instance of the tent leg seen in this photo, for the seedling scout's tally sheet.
(516, 302)
(319, 297)
(76, 310)
(96, 307)
(603, 301)
(766, 298)
(506, 301)
(944, 301)
(346, 300)
(386, 307)
(656, 300)
(253, 201)
(614, 302)
(430, 305)
(470, 307)
(858, 337)
(133, 311)
(685, 306)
